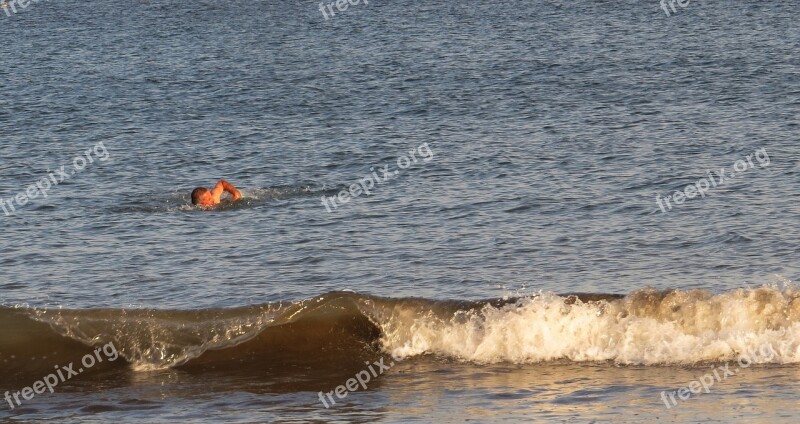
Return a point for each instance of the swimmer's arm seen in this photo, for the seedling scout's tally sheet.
(226, 186)
(216, 192)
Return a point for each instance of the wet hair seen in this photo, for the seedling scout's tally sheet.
(196, 193)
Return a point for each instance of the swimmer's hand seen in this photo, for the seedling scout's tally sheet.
(223, 185)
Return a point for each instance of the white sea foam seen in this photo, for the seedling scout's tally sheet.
(646, 327)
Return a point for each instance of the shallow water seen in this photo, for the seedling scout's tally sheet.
(552, 128)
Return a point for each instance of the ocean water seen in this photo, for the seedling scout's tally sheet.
(577, 212)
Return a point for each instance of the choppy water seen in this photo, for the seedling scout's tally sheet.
(552, 128)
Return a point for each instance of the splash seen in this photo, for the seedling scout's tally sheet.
(646, 327)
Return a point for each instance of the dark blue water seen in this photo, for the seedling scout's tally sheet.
(552, 128)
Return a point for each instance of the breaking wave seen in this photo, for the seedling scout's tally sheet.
(646, 327)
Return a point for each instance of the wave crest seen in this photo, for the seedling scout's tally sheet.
(647, 327)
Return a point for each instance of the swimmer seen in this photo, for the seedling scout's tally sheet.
(206, 198)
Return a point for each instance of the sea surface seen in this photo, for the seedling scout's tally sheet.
(517, 257)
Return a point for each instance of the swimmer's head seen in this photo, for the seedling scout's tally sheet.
(201, 196)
